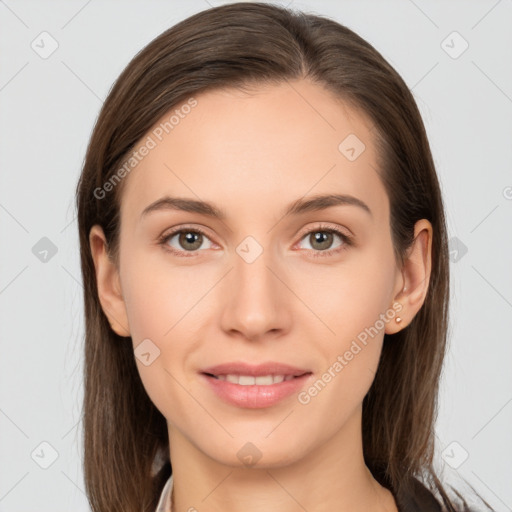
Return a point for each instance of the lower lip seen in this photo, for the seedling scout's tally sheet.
(255, 397)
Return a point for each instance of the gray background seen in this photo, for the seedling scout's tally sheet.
(48, 106)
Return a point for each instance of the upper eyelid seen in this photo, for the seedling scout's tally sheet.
(325, 226)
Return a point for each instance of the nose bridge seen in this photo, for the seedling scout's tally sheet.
(256, 301)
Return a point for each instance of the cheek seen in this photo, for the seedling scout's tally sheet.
(352, 299)
(352, 362)
(165, 308)
(356, 307)
(158, 296)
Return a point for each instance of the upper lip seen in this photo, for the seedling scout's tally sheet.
(256, 370)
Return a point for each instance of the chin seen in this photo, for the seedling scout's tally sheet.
(253, 453)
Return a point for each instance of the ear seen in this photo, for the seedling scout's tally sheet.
(412, 285)
(108, 282)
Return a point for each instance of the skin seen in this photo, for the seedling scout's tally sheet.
(251, 155)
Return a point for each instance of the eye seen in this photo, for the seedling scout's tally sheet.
(321, 239)
(185, 240)
(190, 240)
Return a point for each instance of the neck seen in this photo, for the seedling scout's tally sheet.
(331, 477)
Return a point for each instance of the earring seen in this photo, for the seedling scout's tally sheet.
(397, 319)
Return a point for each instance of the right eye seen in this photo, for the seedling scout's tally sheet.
(184, 240)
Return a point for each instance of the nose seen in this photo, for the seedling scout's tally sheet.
(256, 303)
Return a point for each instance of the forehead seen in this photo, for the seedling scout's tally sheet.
(253, 150)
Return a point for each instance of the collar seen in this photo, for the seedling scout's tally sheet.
(164, 503)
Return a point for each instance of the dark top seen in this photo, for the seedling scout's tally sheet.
(420, 500)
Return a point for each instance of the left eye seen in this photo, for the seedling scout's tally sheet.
(321, 240)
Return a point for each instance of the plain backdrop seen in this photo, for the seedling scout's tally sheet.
(456, 58)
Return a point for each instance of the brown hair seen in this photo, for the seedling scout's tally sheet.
(235, 46)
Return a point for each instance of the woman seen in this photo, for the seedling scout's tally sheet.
(265, 268)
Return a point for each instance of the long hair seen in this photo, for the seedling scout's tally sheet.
(238, 45)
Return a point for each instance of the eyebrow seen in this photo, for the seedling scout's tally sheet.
(302, 205)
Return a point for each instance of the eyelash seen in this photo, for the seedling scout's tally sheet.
(347, 241)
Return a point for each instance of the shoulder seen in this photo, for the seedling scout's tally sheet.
(418, 498)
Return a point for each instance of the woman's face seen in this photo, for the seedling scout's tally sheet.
(259, 285)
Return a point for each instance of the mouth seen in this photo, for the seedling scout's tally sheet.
(252, 380)
(255, 391)
(245, 372)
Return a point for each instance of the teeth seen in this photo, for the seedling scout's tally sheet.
(249, 380)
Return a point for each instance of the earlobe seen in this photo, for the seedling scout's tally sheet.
(416, 276)
(108, 283)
